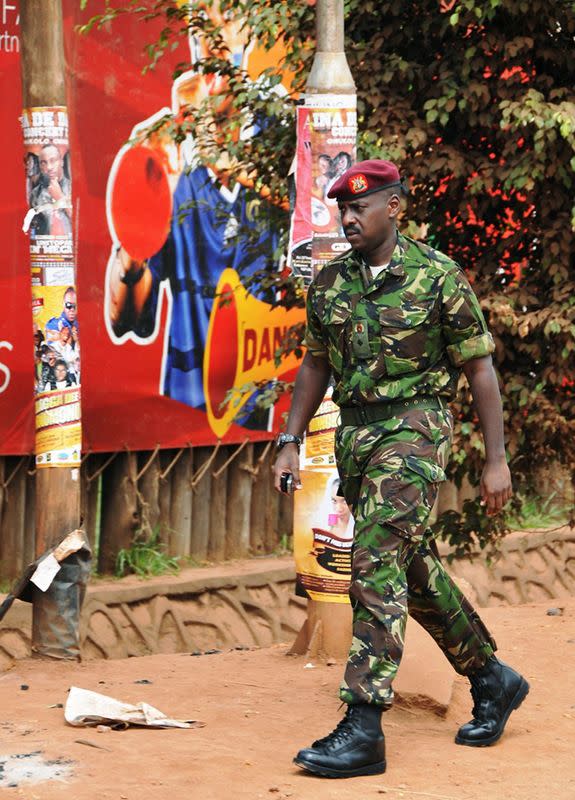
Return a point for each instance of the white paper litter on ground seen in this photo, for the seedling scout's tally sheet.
(88, 709)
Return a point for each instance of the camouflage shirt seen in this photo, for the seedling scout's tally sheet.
(403, 334)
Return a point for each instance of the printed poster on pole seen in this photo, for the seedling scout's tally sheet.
(323, 523)
(48, 223)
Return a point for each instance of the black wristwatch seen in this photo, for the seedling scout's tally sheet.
(288, 438)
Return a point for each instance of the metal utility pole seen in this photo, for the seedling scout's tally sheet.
(330, 97)
(55, 626)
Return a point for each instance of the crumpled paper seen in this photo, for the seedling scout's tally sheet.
(89, 709)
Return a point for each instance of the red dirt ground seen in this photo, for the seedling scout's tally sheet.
(261, 706)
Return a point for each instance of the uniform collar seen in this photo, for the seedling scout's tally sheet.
(399, 258)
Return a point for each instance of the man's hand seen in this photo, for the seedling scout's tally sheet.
(122, 266)
(55, 189)
(287, 461)
(496, 487)
(496, 479)
(309, 390)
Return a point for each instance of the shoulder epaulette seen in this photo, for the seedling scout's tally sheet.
(435, 257)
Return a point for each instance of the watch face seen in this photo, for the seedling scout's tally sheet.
(285, 438)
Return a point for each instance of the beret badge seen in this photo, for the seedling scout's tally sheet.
(357, 184)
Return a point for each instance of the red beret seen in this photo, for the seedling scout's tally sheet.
(363, 178)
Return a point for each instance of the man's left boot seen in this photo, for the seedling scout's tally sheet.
(497, 690)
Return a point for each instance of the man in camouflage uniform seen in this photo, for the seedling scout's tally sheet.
(393, 322)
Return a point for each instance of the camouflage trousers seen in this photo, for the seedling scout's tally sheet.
(390, 472)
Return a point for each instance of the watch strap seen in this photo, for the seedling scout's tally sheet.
(287, 438)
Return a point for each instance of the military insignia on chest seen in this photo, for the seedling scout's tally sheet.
(360, 345)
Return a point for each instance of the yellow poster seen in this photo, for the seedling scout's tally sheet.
(58, 431)
(323, 523)
(317, 449)
(57, 376)
(323, 538)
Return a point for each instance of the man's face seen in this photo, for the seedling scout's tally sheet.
(65, 334)
(368, 221)
(51, 162)
(70, 307)
(234, 34)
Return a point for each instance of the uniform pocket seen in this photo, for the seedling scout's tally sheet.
(407, 338)
(336, 319)
(425, 468)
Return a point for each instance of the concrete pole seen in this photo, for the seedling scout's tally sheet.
(330, 73)
(326, 632)
(55, 619)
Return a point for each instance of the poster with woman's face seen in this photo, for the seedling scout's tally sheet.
(323, 538)
(333, 130)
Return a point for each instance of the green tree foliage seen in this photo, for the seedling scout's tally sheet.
(475, 100)
(478, 106)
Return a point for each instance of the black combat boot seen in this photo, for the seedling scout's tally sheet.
(355, 747)
(497, 690)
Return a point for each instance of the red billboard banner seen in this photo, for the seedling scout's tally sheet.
(158, 358)
(16, 339)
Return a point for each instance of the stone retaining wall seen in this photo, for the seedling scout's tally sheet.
(531, 566)
(252, 604)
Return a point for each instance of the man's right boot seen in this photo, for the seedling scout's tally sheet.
(497, 690)
(355, 747)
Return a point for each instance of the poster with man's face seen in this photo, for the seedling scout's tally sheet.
(48, 221)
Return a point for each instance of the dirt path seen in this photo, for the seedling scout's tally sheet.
(261, 706)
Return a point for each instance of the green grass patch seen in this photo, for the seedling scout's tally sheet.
(146, 557)
(537, 512)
